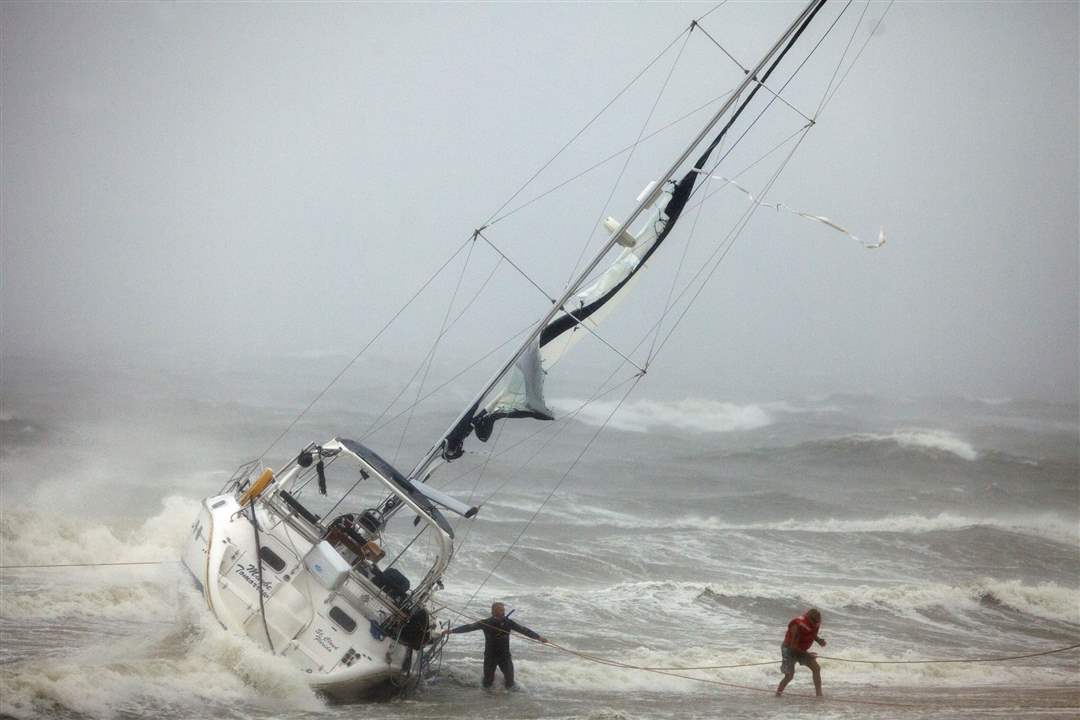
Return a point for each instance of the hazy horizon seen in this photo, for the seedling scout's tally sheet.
(199, 187)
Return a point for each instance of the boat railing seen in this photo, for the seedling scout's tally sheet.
(306, 523)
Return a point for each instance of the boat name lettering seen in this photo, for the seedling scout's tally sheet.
(250, 574)
(325, 640)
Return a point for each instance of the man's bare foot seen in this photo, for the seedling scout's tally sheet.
(779, 693)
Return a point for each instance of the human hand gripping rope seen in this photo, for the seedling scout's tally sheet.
(677, 670)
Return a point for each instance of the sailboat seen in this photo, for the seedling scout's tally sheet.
(347, 597)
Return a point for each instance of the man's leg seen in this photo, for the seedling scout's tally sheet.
(816, 670)
(787, 666)
(507, 667)
(490, 661)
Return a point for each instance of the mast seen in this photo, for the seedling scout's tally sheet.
(789, 35)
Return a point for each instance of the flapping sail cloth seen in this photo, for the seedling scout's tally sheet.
(521, 393)
(519, 390)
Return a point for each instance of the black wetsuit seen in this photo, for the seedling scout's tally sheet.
(497, 646)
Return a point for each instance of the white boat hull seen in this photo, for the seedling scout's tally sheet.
(332, 636)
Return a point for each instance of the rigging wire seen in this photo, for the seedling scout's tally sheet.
(564, 424)
(553, 490)
(559, 422)
(259, 567)
(472, 365)
(678, 269)
(364, 349)
(741, 224)
(737, 230)
(434, 347)
(612, 156)
(717, 7)
(409, 302)
(745, 70)
(859, 54)
(783, 87)
(629, 157)
(514, 265)
(458, 547)
(587, 125)
(420, 367)
(726, 246)
(352, 487)
(843, 55)
(723, 49)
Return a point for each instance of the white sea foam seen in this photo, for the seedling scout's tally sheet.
(925, 439)
(667, 600)
(569, 673)
(32, 538)
(695, 415)
(1049, 526)
(1046, 600)
(184, 661)
(1045, 525)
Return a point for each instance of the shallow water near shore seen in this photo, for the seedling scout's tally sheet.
(687, 536)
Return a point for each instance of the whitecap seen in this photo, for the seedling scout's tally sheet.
(695, 415)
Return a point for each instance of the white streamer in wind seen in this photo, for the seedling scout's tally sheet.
(809, 216)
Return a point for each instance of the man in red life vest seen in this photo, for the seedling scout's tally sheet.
(802, 632)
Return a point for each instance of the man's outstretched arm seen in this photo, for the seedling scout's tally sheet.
(526, 631)
(479, 625)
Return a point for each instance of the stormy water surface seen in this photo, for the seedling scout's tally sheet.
(688, 535)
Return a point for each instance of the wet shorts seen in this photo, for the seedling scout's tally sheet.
(788, 657)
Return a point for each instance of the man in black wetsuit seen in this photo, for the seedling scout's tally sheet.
(497, 643)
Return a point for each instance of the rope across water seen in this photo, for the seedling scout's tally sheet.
(675, 671)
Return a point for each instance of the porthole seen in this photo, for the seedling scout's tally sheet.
(342, 619)
(272, 559)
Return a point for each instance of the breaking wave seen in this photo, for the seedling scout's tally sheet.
(1045, 600)
(940, 441)
(190, 665)
(695, 415)
(1048, 526)
(31, 538)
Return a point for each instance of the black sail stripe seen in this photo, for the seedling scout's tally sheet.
(679, 197)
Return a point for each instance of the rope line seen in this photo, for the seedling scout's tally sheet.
(954, 660)
(67, 565)
(670, 670)
(608, 661)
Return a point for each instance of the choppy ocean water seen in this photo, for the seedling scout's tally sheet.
(688, 535)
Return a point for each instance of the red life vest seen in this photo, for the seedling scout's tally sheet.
(807, 633)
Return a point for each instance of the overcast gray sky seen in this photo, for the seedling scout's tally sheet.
(224, 181)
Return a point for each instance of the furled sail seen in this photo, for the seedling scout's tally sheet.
(518, 391)
(521, 392)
